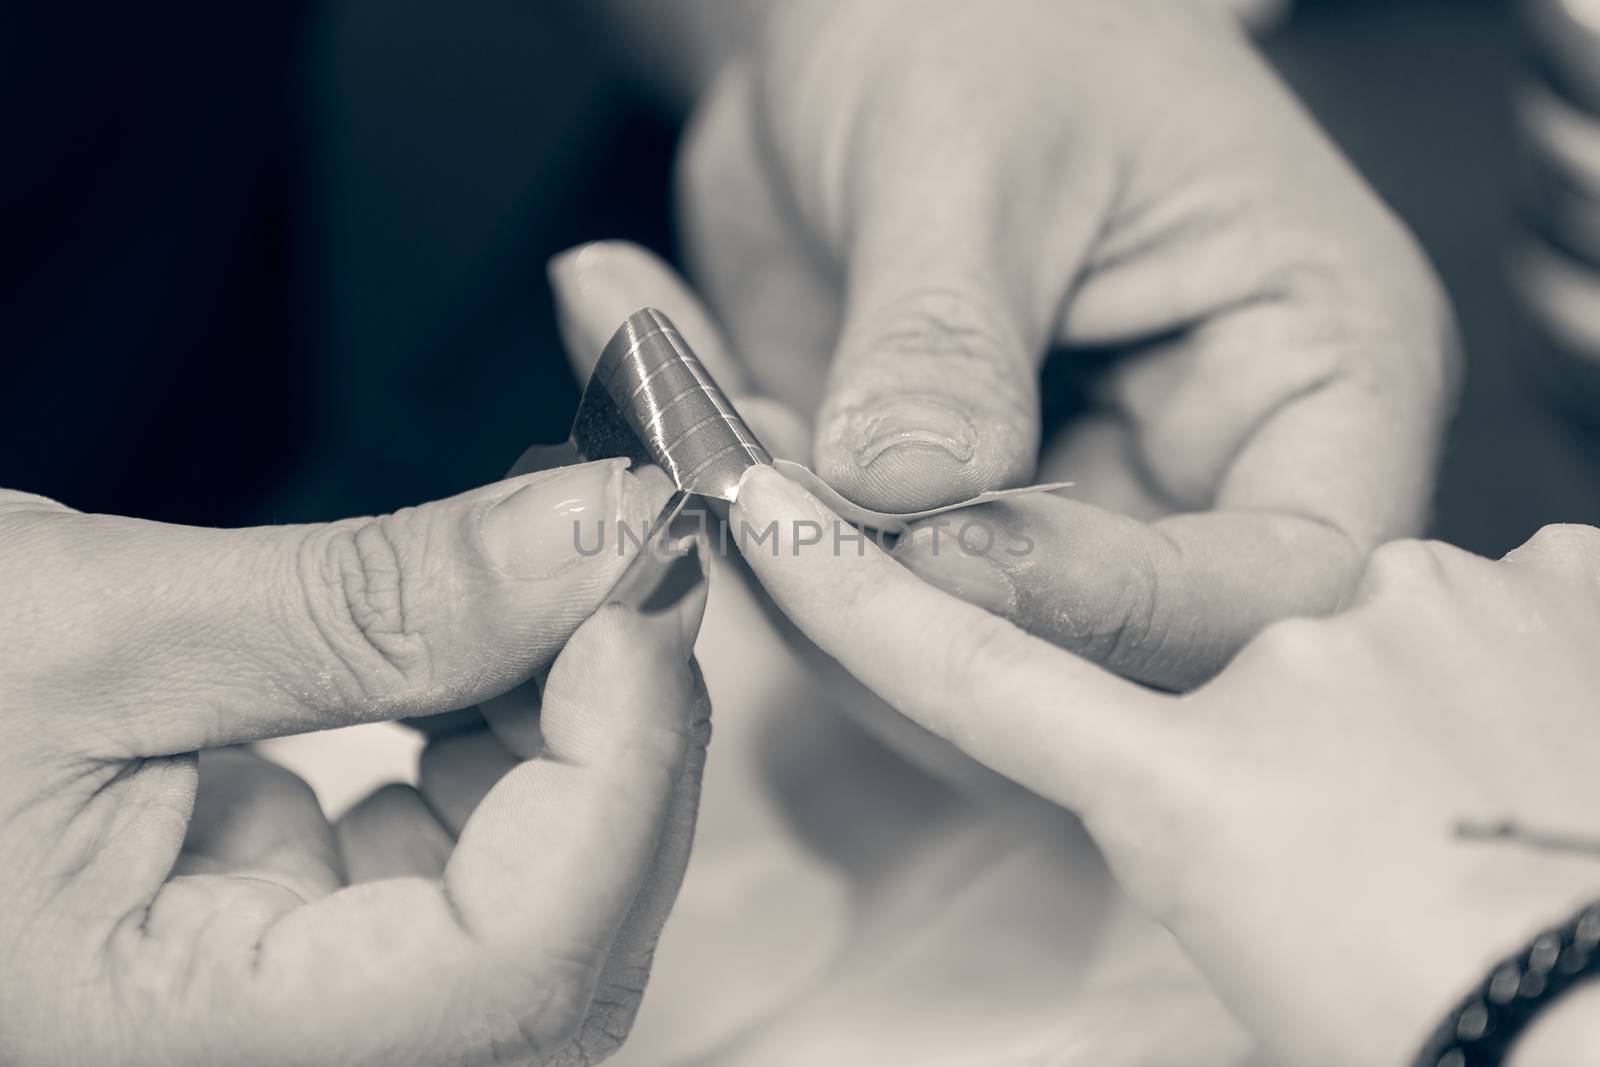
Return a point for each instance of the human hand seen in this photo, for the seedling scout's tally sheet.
(897, 209)
(1304, 823)
(162, 907)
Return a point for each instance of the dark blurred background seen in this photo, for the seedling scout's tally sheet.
(285, 261)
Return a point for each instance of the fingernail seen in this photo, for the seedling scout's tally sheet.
(765, 494)
(913, 422)
(592, 295)
(669, 604)
(938, 558)
(556, 520)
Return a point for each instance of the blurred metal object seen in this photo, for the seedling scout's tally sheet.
(1554, 269)
(650, 400)
(1560, 170)
(671, 558)
(1561, 298)
(1566, 38)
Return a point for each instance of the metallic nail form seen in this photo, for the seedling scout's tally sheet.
(650, 383)
(651, 400)
(669, 565)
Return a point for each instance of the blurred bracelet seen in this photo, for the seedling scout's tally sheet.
(1485, 1025)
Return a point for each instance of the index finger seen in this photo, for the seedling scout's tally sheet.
(1055, 723)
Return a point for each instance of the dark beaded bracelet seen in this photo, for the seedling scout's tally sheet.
(1484, 1026)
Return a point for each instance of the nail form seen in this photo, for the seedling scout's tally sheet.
(651, 400)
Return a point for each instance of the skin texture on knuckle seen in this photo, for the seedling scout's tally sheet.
(1101, 603)
(358, 581)
(955, 327)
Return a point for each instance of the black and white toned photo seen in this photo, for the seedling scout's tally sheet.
(800, 533)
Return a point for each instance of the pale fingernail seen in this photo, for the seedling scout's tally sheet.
(556, 520)
(912, 422)
(764, 493)
(938, 558)
(592, 292)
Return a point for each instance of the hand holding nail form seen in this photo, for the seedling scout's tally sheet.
(1301, 823)
(897, 209)
(158, 906)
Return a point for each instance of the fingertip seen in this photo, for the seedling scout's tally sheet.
(909, 452)
(557, 542)
(764, 495)
(933, 395)
(591, 300)
(551, 546)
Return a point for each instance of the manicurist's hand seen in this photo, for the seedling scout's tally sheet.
(1345, 829)
(897, 208)
(162, 907)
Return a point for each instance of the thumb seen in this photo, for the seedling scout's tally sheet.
(956, 239)
(932, 396)
(164, 639)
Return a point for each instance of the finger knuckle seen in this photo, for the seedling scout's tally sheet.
(1401, 566)
(1567, 547)
(1379, 304)
(1110, 613)
(1297, 645)
(943, 324)
(358, 582)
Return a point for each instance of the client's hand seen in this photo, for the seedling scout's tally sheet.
(1324, 825)
(162, 907)
(897, 208)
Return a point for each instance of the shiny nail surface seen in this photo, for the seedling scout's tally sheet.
(555, 520)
